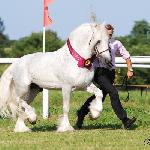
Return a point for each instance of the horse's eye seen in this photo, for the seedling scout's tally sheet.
(98, 42)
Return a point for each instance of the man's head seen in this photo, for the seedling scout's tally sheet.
(110, 29)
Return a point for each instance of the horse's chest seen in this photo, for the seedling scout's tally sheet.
(84, 78)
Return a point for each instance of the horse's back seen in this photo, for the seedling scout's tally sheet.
(40, 68)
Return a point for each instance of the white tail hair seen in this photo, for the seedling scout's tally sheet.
(8, 103)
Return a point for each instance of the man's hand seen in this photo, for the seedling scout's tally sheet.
(129, 74)
(130, 70)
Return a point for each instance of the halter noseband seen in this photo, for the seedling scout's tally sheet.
(97, 52)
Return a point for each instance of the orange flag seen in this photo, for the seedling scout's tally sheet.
(47, 20)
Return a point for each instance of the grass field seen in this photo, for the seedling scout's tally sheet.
(105, 133)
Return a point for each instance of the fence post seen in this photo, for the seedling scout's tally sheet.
(45, 104)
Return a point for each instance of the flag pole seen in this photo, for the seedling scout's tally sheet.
(46, 21)
(45, 91)
(43, 39)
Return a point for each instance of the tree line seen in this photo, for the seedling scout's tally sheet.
(137, 43)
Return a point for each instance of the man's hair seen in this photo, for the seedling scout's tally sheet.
(109, 27)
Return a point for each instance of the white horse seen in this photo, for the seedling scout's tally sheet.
(68, 68)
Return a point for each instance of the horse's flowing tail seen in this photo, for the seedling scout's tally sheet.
(7, 95)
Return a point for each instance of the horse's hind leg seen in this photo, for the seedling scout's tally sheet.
(96, 105)
(30, 111)
(64, 124)
(26, 111)
(21, 83)
(20, 126)
(21, 89)
(22, 116)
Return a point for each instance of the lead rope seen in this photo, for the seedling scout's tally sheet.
(125, 84)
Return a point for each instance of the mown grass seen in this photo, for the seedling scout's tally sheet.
(105, 133)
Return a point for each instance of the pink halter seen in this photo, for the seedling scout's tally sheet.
(87, 63)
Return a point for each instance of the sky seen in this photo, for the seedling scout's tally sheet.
(23, 17)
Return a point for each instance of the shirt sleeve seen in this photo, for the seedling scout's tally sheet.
(122, 51)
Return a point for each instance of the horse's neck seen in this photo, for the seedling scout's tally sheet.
(84, 51)
(81, 49)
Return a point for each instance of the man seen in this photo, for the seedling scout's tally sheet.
(104, 76)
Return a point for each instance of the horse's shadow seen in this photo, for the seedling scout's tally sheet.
(46, 128)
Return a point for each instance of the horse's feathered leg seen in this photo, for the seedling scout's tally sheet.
(28, 98)
(96, 104)
(25, 111)
(20, 126)
(64, 124)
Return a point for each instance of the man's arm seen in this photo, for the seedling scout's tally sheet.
(125, 55)
(130, 70)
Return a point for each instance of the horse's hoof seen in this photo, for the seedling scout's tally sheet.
(64, 129)
(92, 117)
(22, 130)
(32, 122)
(94, 114)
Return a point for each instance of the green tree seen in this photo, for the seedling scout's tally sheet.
(138, 44)
(34, 43)
(3, 39)
(2, 27)
(140, 28)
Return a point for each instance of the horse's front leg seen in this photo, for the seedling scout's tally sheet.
(64, 124)
(96, 105)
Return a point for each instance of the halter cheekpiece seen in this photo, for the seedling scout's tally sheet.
(87, 63)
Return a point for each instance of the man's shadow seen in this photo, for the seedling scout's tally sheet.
(106, 126)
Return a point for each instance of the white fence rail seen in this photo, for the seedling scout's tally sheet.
(138, 62)
(7, 60)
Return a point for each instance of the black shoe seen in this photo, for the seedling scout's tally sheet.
(80, 119)
(129, 122)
